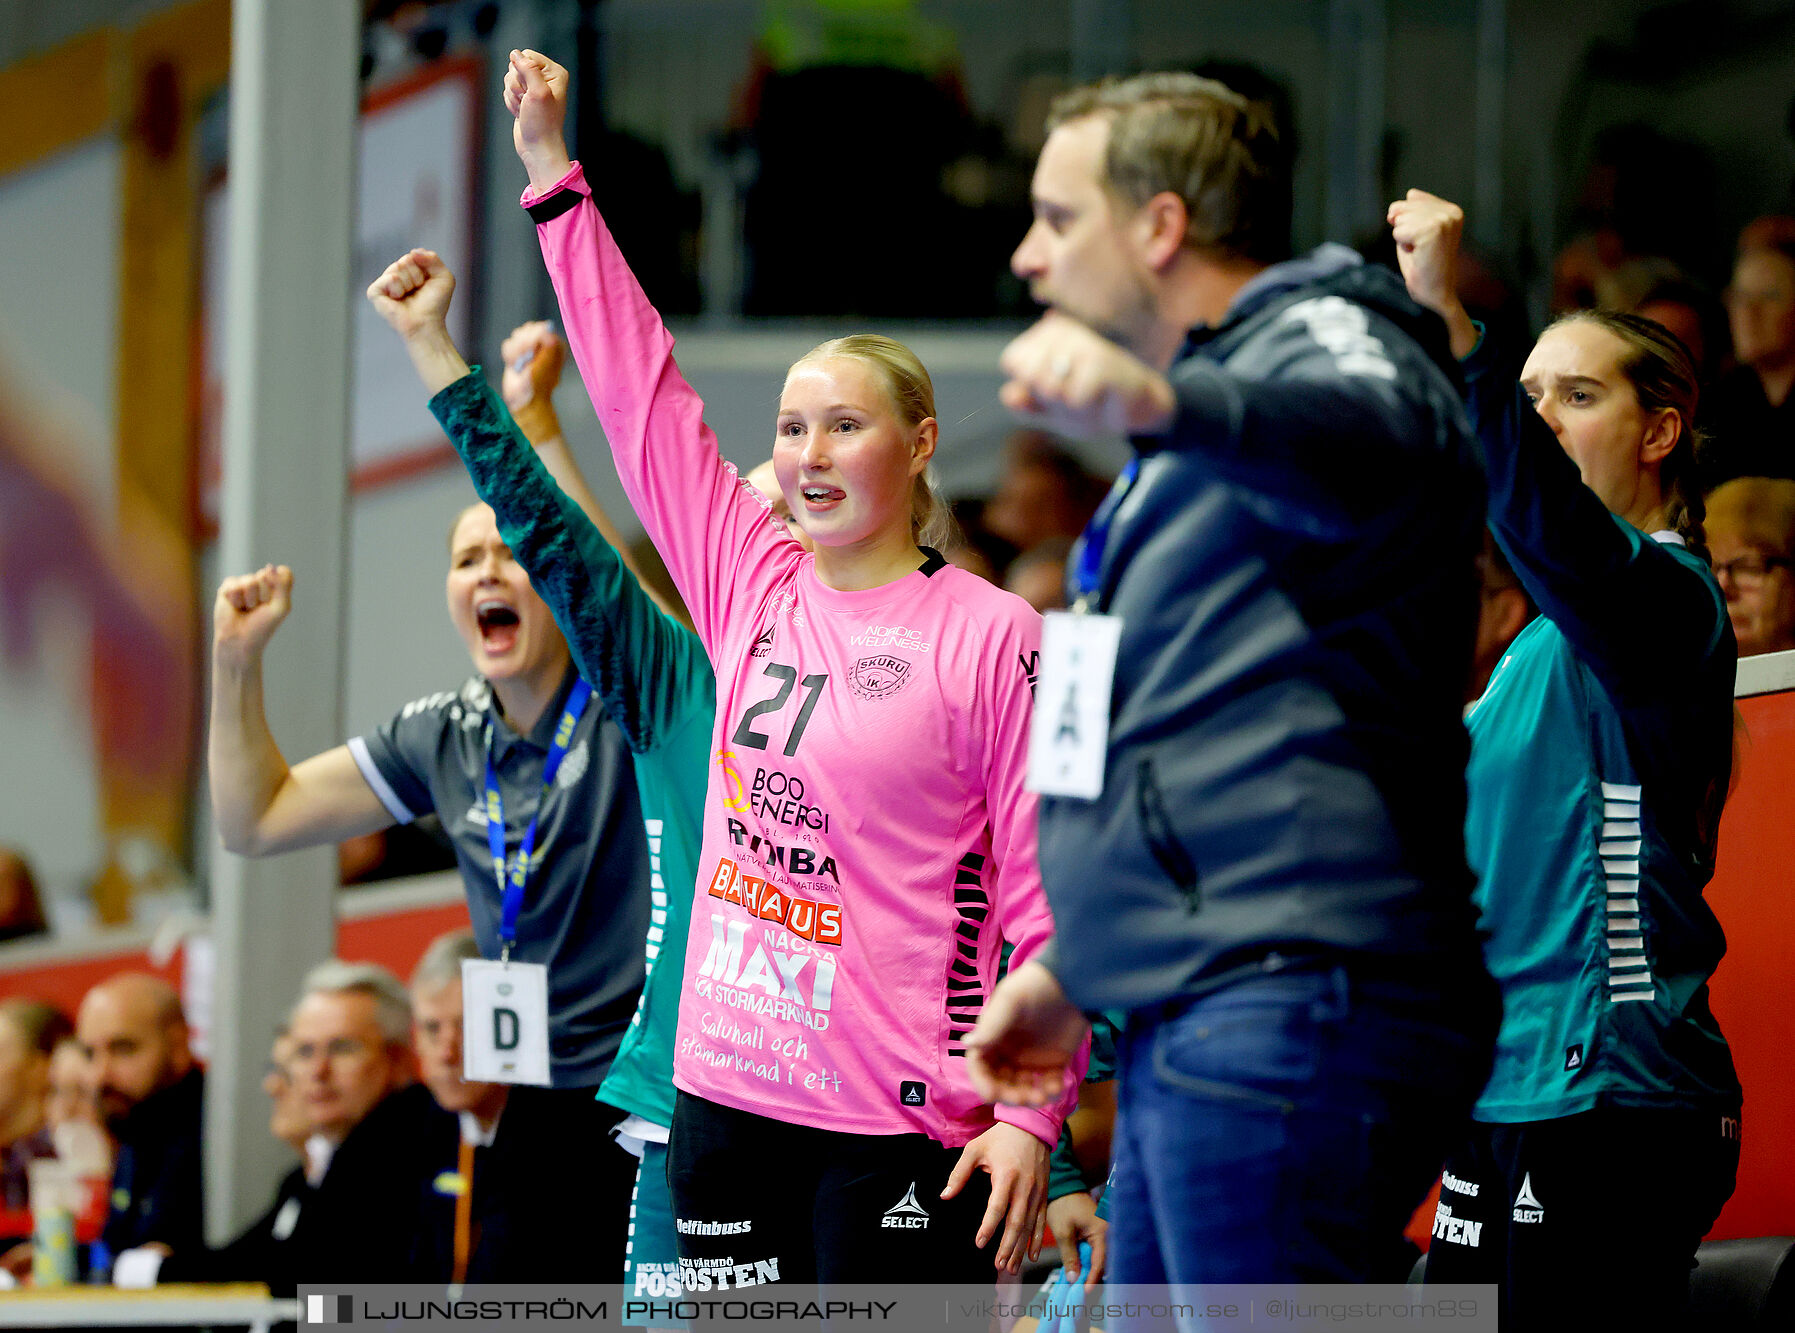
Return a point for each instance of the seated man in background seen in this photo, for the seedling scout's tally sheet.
(260, 1251)
(351, 1068)
(149, 1092)
(1751, 542)
(474, 1206)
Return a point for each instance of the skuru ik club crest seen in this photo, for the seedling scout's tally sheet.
(878, 677)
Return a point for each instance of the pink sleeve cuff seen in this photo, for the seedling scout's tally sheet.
(1044, 1125)
(574, 179)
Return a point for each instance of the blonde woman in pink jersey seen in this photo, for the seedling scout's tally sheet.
(868, 846)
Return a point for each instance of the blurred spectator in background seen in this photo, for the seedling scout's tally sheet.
(29, 1031)
(976, 549)
(345, 1073)
(1659, 290)
(71, 1097)
(21, 906)
(1044, 491)
(149, 1093)
(260, 1253)
(1751, 541)
(480, 1196)
(1038, 575)
(352, 1067)
(1503, 610)
(1753, 409)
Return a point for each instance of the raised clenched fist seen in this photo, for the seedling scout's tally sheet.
(533, 356)
(249, 608)
(536, 96)
(413, 293)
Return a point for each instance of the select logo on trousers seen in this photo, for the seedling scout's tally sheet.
(907, 1213)
(1527, 1208)
(323, 1309)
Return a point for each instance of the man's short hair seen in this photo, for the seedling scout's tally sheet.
(442, 961)
(392, 1006)
(1218, 152)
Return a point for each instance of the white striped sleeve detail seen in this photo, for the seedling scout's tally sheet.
(372, 775)
(1626, 828)
(1614, 791)
(1627, 810)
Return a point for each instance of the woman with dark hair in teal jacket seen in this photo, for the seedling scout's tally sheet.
(1608, 1136)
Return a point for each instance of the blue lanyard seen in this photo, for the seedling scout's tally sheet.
(1087, 578)
(511, 885)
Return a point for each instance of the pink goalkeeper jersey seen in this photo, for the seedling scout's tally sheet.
(868, 844)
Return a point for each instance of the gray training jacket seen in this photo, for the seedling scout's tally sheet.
(1295, 572)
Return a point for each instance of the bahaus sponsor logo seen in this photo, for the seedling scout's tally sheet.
(807, 918)
(879, 677)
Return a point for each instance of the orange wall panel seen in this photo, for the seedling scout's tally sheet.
(1753, 894)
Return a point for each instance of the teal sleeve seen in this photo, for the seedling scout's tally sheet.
(1063, 1174)
(648, 669)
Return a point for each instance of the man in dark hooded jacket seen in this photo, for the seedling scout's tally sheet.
(1265, 864)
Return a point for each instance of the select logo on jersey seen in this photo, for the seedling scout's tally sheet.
(764, 644)
(1528, 1208)
(878, 677)
(912, 1093)
(804, 917)
(907, 1214)
(1573, 1057)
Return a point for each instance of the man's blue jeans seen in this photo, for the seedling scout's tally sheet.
(1284, 1128)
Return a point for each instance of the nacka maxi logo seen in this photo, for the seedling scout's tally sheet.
(771, 982)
